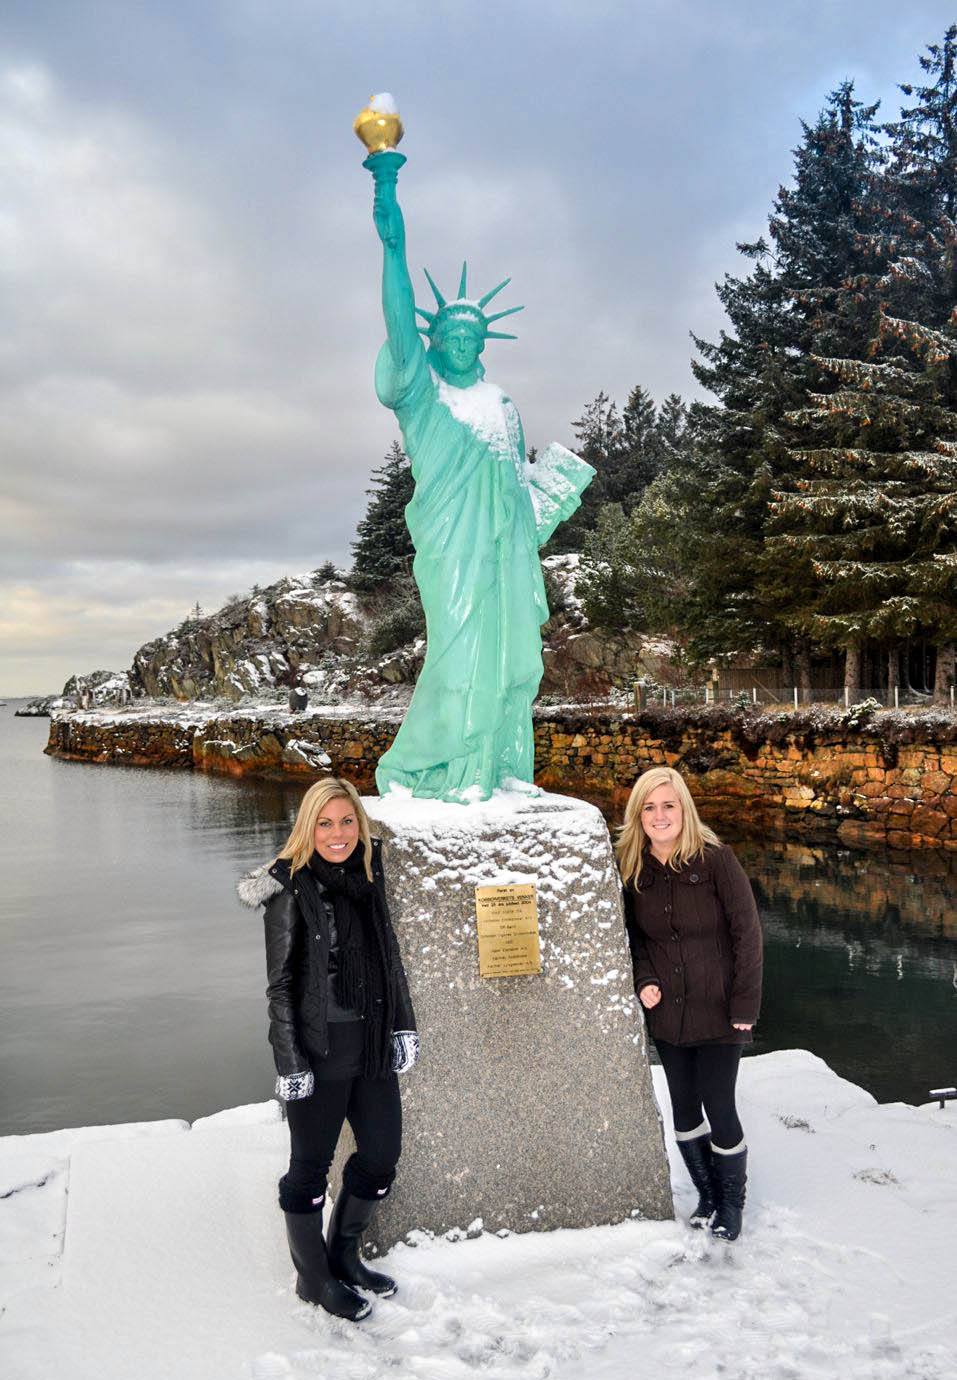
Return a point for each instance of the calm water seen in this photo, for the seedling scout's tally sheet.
(131, 981)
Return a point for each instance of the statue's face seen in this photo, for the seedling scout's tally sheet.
(458, 348)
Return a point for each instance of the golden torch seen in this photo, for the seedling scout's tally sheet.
(378, 125)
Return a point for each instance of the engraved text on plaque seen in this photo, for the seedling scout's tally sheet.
(507, 919)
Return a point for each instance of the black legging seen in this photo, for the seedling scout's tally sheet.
(701, 1081)
(373, 1108)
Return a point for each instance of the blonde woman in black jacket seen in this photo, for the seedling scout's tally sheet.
(341, 1026)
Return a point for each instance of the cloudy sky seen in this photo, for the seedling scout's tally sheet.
(189, 273)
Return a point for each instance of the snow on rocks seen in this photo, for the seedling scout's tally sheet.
(174, 1263)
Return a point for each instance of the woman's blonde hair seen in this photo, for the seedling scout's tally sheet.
(631, 836)
(301, 843)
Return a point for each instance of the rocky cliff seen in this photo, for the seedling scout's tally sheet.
(97, 690)
(313, 631)
(292, 633)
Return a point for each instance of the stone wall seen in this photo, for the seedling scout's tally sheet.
(811, 774)
(816, 775)
(240, 743)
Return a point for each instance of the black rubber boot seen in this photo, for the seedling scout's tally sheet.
(697, 1157)
(350, 1217)
(730, 1181)
(316, 1282)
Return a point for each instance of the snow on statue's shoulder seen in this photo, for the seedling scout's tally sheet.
(556, 480)
(483, 408)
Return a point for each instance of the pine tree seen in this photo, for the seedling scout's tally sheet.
(878, 519)
(874, 504)
(383, 548)
(600, 440)
(745, 596)
(671, 432)
(628, 451)
(634, 570)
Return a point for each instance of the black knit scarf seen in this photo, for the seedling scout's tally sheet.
(363, 979)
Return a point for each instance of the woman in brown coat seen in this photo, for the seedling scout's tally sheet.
(696, 947)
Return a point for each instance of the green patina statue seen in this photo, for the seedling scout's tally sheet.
(479, 513)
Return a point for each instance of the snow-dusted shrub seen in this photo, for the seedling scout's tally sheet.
(398, 624)
(862, 712)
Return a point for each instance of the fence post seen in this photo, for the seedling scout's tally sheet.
(897, 697)
(951, 697)
(754, 694)
(795, 697)
(847, 698)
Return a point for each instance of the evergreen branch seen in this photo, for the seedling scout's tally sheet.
(863, 373)
(932, 345)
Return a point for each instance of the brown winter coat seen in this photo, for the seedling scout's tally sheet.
(695, 932)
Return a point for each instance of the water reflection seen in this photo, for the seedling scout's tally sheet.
(914, 891)
(860, 962)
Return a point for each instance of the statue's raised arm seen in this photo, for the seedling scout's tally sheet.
(398, 301)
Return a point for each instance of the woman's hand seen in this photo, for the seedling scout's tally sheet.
(740, 1025)
(650, 996)
(405, 1050)
(293, 1087)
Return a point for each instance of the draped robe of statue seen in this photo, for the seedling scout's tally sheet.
(478, 515)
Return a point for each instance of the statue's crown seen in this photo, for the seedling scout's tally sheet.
(462, 308)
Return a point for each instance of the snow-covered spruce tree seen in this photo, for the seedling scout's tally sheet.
(873, 502)
(925, 174)
(383, 548)
(738, 597)
(875, 511)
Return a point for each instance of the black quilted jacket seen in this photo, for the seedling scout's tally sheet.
(297, 920)
(695, 932)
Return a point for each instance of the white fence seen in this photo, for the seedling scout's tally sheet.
(793, 697)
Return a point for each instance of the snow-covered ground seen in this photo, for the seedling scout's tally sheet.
(156, 1250)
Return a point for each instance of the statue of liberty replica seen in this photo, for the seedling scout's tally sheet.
(478, 516)
(532, 1105)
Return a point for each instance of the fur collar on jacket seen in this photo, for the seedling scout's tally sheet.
(257, 887)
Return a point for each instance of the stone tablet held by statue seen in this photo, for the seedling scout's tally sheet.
(479, 514)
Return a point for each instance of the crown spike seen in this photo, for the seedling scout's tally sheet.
(428, 315)
(439, 299)
(499, 335)
(497, 316)
(495, 290)
(462, 281)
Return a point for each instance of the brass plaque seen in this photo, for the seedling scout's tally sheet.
(507, 918)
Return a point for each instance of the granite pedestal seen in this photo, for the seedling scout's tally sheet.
(531, 1107)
